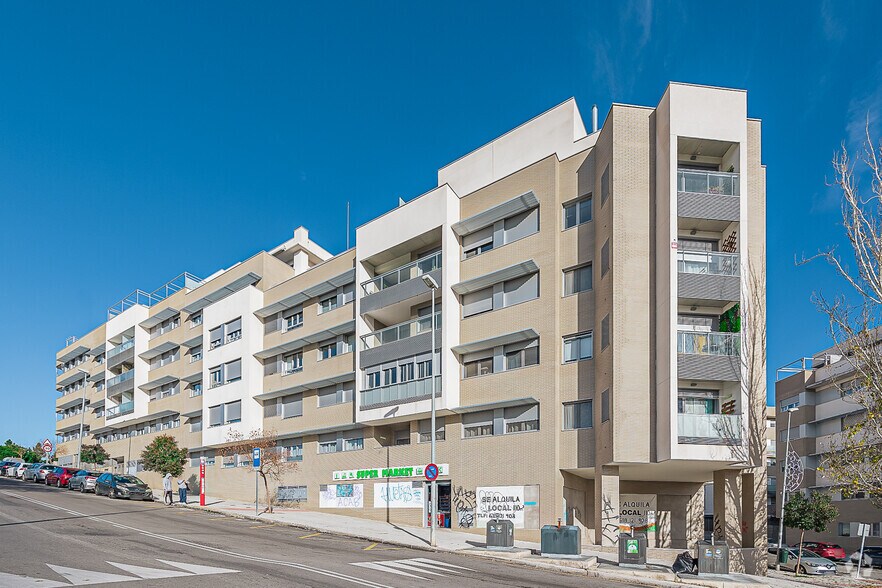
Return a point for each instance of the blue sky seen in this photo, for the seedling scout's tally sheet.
(237, 122)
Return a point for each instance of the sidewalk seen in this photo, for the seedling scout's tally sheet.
(594, 562)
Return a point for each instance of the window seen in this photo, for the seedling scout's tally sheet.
(604, 406)
(293, 363)
(195, 424)
(233, 411)
(520, 225)
(501, 295)
(216, 337)
(233, 370)
(477, 424)
(228, 461)
(478, 367)
(578, 347)
(604, 186)
(292, 406)
(844, 530)
(327, 350)
(196, 353)
(216, 376)
(293, 450)
(604, 332)
(604, 258)
(347, 343)
(477, 302)
(520, 419)
(215, 415)
(517, 355)
(520, 290)
(425, 430)
(577, 213)
(196, 390)
(294, 320)
(195, 320)
(424, 369)
(328, 304)
(233, 330)
(327, 443)
(577, 280)
(390, 375)
(406, 371)
(401, 436)
(373, 380)
(578, 415)
(331, 395)
(478, 242)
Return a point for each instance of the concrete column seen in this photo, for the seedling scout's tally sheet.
(695, 518)
(728, 507)
(606, 505)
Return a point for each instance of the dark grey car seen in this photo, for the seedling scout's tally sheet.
(122, 486)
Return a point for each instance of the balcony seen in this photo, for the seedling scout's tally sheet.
(708, 277)
(406, 339)
(709, 356)
(120, 383)
(708, 195)
(119, 410)
(124, 353)
(399, 393)
(709, 429)
(399, 284)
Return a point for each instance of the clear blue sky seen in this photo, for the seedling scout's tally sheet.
(233, 123)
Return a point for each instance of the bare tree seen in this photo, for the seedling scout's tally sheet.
(854, 457)
(274, 463)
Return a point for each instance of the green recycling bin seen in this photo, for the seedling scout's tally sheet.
(783, 555)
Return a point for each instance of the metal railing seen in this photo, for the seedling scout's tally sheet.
(411, 328)
(701, 182)
(404, 273)
(698, 428)
(148, 299)
(709, 343)
(400, 392)
(119, 410)
(708, 262)
(120, 378)
(119, 349)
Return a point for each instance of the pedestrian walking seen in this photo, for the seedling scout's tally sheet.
(183, 487)
(167, 488)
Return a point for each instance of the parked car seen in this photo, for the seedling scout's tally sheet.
(83, 480)
(43, 471)
(30, 474)
(828, 550)
(20, 470)
(122, 486)
(59, 476)
(872, 557)
(9, 465)
(811, 562)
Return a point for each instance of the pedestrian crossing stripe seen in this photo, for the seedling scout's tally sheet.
(79, 577)
(412, 567)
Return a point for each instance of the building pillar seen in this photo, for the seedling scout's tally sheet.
(695, 518)
(729, 515)
(606, 505)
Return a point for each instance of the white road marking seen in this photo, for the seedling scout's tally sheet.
(197, 569)
(13, 581)
(417, 565)
(298, 566)
(86, 577)
(149, 573)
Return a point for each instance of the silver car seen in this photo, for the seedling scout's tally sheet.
(83, 480)
(811, 562)
(43, 471)
(30, 473)
(21, 469)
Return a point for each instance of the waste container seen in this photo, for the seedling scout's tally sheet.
(632, 550)
(561, 541)
(500, 534)
(713, 558)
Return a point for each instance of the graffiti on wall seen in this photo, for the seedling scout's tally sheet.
(341, 496)
(464, 502)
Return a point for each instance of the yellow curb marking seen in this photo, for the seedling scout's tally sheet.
(369, 547)
(308, 536)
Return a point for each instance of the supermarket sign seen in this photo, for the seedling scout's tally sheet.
(382, 473)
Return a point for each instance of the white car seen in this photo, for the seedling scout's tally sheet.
(19, 471)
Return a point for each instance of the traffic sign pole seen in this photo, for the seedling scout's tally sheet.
(202, 481)
(255, 463)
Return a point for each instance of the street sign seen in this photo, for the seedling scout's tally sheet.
(863, 530)
(255, 456)
(202, 481)
(46, 446)
(431, 472)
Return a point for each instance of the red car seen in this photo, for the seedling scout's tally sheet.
(59, 477)
(828, 550)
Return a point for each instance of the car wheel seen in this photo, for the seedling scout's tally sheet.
(802, 571)
(83, 489)
(58, 484)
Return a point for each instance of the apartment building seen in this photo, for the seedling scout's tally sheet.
(582, 288)
(818, 386)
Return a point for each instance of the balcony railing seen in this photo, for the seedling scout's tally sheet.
(709, 429)
(119, 410)
(701, 182)
(404, 273)
(400, 331)
(120, 378)
(400, 392)
(708, 343)
(119, 349)
(706, 262)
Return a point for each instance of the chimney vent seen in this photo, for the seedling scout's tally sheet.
(594, 119)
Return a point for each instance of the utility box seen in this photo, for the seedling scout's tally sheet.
(713, 558)
(632, 550)
(563, 541)
(500, 534)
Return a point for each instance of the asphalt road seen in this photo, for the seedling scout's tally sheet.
(51, 538)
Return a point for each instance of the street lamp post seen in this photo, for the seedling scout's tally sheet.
(432, 285)
(82, 415)
(789, 409)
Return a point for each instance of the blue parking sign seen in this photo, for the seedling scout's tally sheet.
(255, 456)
